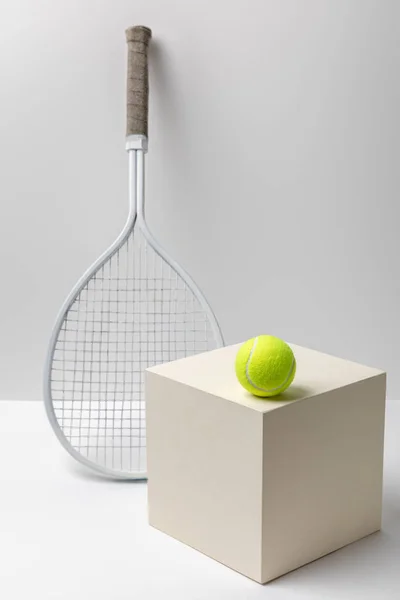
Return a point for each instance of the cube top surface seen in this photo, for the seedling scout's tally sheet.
(214, 373)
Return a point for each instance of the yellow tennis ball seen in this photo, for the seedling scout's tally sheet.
(265, 366)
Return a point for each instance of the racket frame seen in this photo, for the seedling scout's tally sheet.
(136, 145)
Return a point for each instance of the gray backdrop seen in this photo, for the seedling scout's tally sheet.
(272, 176)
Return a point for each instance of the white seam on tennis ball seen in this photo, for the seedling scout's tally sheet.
(252, 382)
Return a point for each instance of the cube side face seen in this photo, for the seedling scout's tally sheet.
(322, 474)
(204, 459)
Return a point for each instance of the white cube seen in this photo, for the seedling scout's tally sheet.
(265, 486)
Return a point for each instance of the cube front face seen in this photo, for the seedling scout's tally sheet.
(265, 487)
(204, 460)
(322, 474)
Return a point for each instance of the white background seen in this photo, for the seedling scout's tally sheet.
(273, 173)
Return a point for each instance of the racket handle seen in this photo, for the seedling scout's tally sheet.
(137, 100)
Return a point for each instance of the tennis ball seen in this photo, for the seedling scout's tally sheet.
(265, 366)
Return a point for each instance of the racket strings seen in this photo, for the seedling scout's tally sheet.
(135, 312)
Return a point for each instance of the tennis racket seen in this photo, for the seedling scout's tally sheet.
(135, 307)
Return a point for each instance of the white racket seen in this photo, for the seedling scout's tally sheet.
(135, 307)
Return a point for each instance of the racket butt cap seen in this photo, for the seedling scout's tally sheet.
(138, 33)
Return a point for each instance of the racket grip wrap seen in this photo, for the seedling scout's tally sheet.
(137, 101)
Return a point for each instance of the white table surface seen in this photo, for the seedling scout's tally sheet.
(68, 534)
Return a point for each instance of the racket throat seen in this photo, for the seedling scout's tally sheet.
(137, 147)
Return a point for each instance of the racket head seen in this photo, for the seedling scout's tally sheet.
(149, 311)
